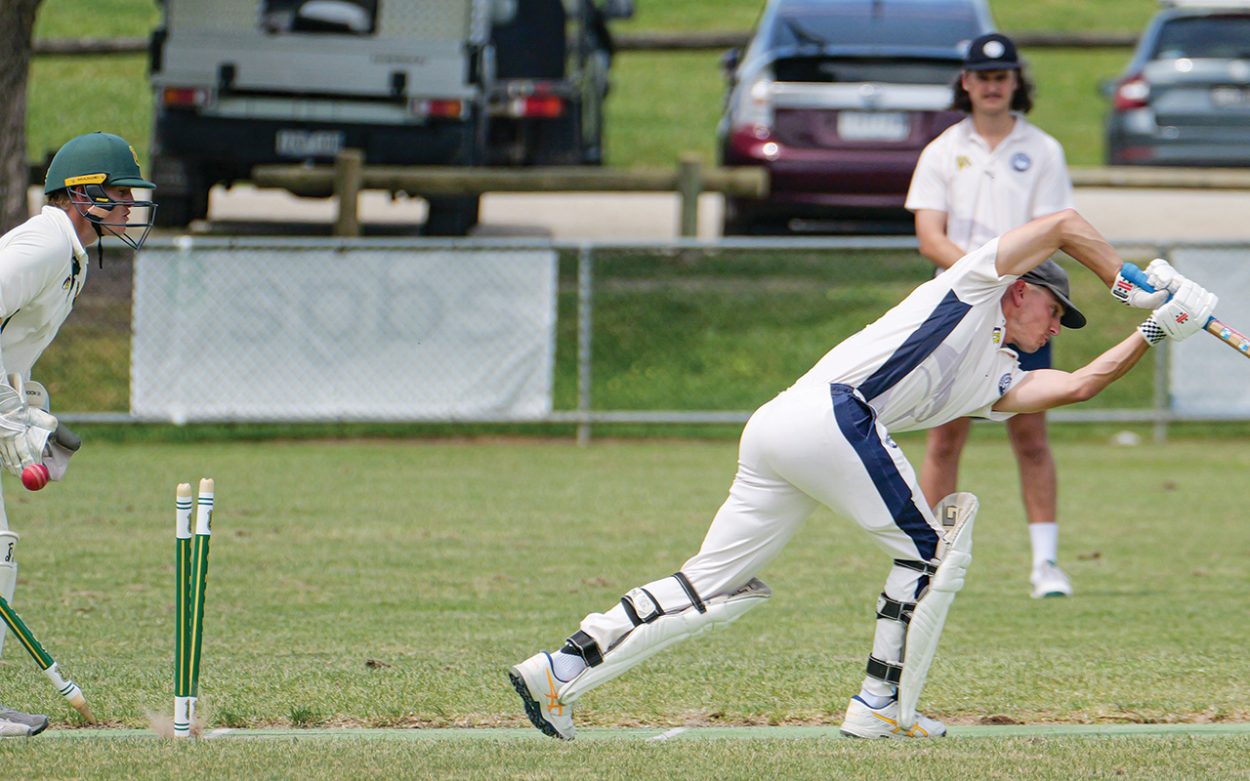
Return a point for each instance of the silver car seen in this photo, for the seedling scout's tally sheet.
(1184, 98)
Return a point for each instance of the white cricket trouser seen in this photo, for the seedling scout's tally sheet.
(808, 446)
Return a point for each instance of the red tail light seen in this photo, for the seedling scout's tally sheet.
(548, 106)
(445, 108)
(1132, 93)
(185, 97)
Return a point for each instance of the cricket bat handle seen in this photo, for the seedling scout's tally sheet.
(1225, 333)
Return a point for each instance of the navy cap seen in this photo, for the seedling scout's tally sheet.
(1051, 276)
(992, 52)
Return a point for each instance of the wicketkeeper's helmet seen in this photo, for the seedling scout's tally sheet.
(89, 163)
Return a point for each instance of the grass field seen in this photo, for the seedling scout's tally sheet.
(663, 103)
(389, 584)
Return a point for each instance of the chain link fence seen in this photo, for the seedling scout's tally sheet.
(683, 332)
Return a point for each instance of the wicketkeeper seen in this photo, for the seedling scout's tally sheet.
(941, 354)
(43, 267)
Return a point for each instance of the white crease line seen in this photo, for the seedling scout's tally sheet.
(672, 733)
(217, 733)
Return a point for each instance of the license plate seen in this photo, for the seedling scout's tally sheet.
(308, 143)
(1230, 97)
(873, 125)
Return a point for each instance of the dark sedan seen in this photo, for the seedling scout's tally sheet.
(836, 98)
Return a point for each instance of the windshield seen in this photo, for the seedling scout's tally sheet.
(1225, 36)
(909, 24)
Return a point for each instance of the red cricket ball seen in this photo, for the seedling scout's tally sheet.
(35, 477)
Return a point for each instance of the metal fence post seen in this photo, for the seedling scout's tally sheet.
(585, 307)
(1161, 403)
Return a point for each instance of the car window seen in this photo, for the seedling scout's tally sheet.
(941, 26)
(1225, 36)
(894, 71)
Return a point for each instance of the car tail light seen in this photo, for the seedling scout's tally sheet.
(1132, 93)
(543, 106)
(443, 108)
(754, 106)
(185, 97)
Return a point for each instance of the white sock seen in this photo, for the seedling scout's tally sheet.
(1045, 539)
(567, 666)
(875, 701)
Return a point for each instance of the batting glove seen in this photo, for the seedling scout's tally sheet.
(16, 451)
(1162, 276)
(1131, 295)
(1182, 317)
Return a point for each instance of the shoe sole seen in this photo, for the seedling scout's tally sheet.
(533, 708)
(39, 729)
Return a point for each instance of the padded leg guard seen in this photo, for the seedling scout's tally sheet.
(650, 637)
(8, 573)
(957, 513)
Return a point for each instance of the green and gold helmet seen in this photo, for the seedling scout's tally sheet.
(88, 164)
(95, 158)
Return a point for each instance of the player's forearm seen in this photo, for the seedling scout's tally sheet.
(1045, 389)
(941, 251)
(1095, 376)
(1082, 241)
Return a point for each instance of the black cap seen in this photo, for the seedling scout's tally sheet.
(992, 52)
(1052, 277)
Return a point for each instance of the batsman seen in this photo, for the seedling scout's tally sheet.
(43, 267)
(941, 354)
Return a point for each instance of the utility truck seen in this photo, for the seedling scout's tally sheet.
(240, 83)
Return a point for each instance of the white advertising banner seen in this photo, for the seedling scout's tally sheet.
(1207, 378)
(286, 334)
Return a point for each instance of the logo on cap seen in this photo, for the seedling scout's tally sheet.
(994, 49)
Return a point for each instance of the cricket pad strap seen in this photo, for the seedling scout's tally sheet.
(679, 617)
(957, 513)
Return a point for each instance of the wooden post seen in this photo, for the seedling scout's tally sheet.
(347, 165)
(688, 187)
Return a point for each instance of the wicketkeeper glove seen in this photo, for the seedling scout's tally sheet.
(23, 431)
(1183, 316)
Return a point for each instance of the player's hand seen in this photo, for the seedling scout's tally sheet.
(1131, 295)
(1182, 317)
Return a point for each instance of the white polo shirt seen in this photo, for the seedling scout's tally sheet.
(936, 356)
(43, 266)
(987, 193)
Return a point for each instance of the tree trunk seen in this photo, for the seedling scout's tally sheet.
(17, 22)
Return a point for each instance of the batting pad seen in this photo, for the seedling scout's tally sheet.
(646, 640)
(957, 513)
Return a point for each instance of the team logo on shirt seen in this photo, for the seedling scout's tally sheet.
(1004, 382)
(997, 336)
(1021, 162)
(962, 162)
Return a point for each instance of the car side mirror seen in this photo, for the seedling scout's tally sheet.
(729, 62)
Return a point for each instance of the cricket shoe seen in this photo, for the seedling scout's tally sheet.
(539, 688)
(864, 722)
(15, 724)
(1050, 581)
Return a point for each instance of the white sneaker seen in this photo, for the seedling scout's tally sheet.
(16, 724)
(1050, 581)
(538, 686)
(865, 722)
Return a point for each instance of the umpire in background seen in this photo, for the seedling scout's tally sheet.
(983, 176)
